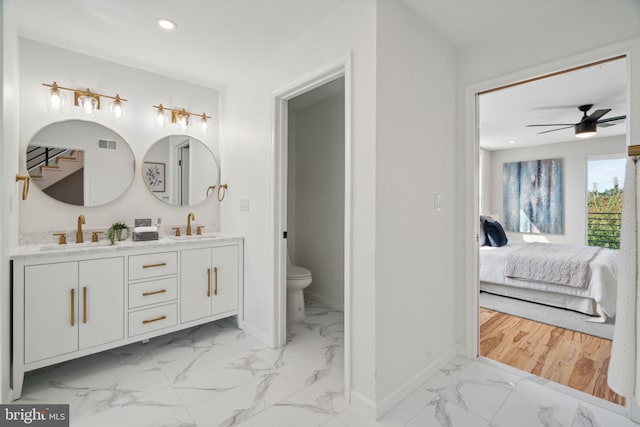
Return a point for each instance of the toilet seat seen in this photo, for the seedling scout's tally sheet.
(297, 272)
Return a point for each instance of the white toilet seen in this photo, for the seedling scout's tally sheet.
(298, 278)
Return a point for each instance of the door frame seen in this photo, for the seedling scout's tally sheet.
(630, 48)
(280, 98)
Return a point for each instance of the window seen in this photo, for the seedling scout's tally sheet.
(605, 184)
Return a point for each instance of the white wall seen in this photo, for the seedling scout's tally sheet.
(574, 155)
(514, 57)
(247, 149)
(11, 191)
(318, 162)
(41, 63)
(415, 258)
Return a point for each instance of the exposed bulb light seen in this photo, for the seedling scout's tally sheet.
(203, 123)
(56, 98)
(117, 108)
(167, 24)
(160, 116)
(88, 103)
(183, 119)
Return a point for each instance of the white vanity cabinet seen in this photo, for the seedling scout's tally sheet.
(210, 285)
(74, 301)
(70, 306)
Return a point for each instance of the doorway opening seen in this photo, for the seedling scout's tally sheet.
(312, 152)
(530, 181)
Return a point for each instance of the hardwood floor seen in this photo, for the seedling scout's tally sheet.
(571, 358)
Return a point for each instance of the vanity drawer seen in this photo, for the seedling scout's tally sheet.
(153, 319)
(153, 292)
(153, 265)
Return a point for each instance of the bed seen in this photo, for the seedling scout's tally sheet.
(597, 297)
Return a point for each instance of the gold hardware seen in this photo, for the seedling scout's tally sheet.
(177, 231)
(79, 236)
(144, 322)
(208, 282)
(73, 308)
(63, 238)
(209, 189)
(633, 150)
(161, 291)
(215, 273)
(224, 188)
(175, 114)
(25, 188)
(94, 235)
(190, 217)
(84, 304)
(77, 93)
(199, 230)
(160, 264)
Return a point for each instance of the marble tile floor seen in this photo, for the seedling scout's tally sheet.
(216, 375)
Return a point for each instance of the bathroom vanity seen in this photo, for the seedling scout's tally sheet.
(74, 300)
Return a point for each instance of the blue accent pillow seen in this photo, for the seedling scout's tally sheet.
(495, 233)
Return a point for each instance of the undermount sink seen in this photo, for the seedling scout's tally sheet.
(87, 245)
(194, 236)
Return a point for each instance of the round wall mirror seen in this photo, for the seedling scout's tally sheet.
(80, 163)
(180, 170)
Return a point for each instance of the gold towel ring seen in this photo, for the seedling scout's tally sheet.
(222, 187)
(25, 188)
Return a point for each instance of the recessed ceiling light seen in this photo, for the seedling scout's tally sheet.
(511, 141)
(167, 24)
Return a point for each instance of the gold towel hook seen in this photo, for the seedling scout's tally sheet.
(222, 187)
(25, 188)
(210, 189)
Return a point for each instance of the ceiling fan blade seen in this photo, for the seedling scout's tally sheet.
(554, 124)
(553, 130)
(612, 119)
(599, 113)
(605, 125)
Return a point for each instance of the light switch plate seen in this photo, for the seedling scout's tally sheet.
(244, 203)
(437, 202)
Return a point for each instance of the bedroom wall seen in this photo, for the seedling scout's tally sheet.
(486, 172)
(574, 155)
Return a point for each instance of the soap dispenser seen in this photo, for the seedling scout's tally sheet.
(159, 227)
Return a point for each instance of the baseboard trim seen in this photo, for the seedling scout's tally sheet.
(335, 304)
(366, 405)
(414, 382)
(259, 334)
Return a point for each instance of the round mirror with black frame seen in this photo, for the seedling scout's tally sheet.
(79, 162)
(180, 170)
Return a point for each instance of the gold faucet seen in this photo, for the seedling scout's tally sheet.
(190, 217)
(79, 237)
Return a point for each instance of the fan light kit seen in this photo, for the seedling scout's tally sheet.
(587, 126)
(88, 101)
(181, 117)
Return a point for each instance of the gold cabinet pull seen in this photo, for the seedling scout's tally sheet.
(160, 264)
(215, 273)
(73, 308)
(84, 304)
(208, 282)
(161, 291)
(144, 322)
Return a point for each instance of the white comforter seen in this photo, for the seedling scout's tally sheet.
(602, 276)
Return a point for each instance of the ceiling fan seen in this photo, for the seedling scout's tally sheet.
(587, 125)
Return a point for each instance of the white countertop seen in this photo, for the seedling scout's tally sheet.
(104, 246)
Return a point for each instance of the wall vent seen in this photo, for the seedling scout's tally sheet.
(107, 144)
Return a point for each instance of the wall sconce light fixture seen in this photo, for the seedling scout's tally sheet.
(181, 117)
(88, 101)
